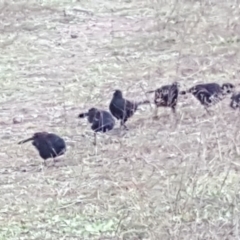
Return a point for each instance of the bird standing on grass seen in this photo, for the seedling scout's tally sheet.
(166, 96)
(49, 145)
(235, 101)
(102, 121)
(122, 109)
(209, 94)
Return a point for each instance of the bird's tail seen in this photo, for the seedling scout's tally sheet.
(26, 140)
(83, 115)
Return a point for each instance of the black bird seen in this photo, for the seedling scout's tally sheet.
(209, 94)
(49, 145)
(166, 96)
(122, 109)
(235, 101)
(102, 121)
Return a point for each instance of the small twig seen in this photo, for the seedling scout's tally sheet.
(178, 193)
(120, 221)
(224, 180)
(83, 11)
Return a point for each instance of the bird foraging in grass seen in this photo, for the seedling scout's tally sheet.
(122, 109)
(166, 96)
(235, 101)
(209, 94)
(49, 145)
(101, 120)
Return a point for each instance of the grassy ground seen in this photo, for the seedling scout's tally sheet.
(160, 180)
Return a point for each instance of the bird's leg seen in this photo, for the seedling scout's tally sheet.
(122, 125)
(155, 114)
(174, 113)
(95, 139)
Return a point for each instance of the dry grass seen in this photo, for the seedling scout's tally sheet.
(159, 181)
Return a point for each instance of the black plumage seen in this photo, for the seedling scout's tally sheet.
(101, 120)
(209, 94)
(235, 101)
(166, 96)
(122, 109)
(49, 145)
